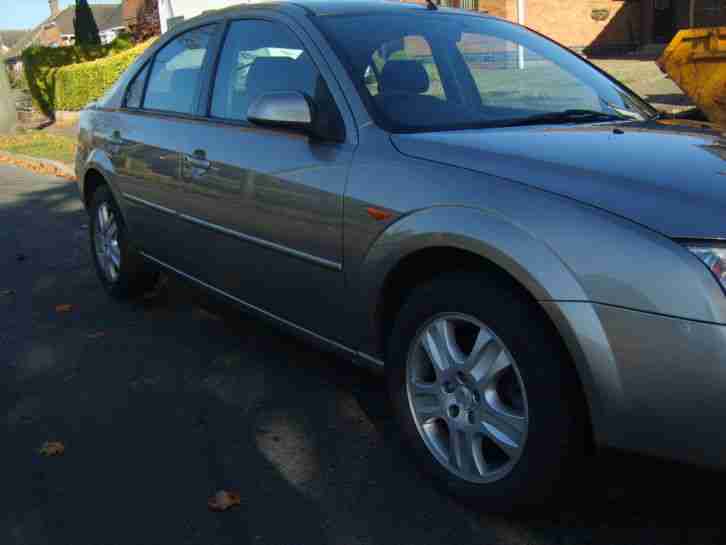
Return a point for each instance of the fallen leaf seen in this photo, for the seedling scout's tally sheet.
(37, 167)
(223, 500)
(208, 315)
(63, 308)
(52, 448)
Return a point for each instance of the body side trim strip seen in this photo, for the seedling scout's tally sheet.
(360, 355)
(326, 263)
(375, 362)
(150, 204)
(264, 243)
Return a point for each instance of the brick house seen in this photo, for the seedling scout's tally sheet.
(603, 26)
(58, 29)
(141, 17)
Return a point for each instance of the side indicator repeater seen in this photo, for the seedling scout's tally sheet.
(378, 214)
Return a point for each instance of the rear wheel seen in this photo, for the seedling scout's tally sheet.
(121, 270)
(487, 399)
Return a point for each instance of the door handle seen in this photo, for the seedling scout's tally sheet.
(197, 164)
(115, 139)
(202, 164)
(115, 143)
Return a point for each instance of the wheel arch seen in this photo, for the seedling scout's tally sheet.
(439, 240)
(446, 239)
(98, 171)
(92, 180)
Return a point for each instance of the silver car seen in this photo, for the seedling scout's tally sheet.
(533, 254)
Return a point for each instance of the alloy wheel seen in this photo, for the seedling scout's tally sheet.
(108, 250)
(467, 398)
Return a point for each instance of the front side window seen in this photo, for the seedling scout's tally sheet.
(176, 74)
(260, 57)
(438, 71)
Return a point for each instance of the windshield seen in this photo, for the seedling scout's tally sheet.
(440, 71)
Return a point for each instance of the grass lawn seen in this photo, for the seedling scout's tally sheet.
(40, 144)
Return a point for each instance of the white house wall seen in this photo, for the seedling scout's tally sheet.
(191, 8)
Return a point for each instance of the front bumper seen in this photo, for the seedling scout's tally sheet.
(656, 384)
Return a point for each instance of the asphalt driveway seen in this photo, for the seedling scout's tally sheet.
(162, 402)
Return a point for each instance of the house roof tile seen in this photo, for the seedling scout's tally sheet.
(107, 16)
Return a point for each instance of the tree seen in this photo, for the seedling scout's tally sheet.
(85, 24)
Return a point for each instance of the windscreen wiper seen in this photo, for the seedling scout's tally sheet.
(564, 116)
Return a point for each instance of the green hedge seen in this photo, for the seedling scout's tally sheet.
(78, 84)
(40, 65)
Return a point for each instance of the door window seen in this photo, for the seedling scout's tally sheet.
(260, 57)
(176, 74)
(135, 91)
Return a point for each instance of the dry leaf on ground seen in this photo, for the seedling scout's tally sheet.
(52, 448)
(63, 308)
(38, 168)
(223, 500)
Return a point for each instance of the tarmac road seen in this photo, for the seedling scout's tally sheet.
(162, 402)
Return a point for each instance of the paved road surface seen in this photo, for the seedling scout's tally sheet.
(160, 403)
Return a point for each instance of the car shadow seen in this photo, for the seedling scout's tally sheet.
(165, 400)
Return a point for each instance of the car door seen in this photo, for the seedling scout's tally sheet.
(159, 107)
(267, 204)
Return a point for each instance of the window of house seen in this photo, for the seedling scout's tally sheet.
(712, 6)
(175, 77)
(135, 91)
(260, 57)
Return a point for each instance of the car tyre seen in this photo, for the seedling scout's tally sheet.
(461, 311)
(122, 271)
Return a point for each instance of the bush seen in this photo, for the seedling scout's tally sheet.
(17, 80)
(40, 65)
(78, 84)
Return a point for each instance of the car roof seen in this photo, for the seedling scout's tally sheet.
(341, 7)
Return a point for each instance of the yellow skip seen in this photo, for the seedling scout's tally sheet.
(696, 60)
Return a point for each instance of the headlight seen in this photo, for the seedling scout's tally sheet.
(714, 258)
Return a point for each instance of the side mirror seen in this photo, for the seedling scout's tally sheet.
(289, 109)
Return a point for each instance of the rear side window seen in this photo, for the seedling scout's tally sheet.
(135, 91)
(260, 57)
(177, 72)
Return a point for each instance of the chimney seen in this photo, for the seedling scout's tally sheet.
(54, 10)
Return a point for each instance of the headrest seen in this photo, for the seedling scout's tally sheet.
(183, 87)
(404, 77)
(184, 79)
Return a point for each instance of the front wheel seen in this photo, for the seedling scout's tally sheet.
(119, 268)
(487, 399)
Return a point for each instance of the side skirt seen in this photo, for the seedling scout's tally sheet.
(359, 358)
